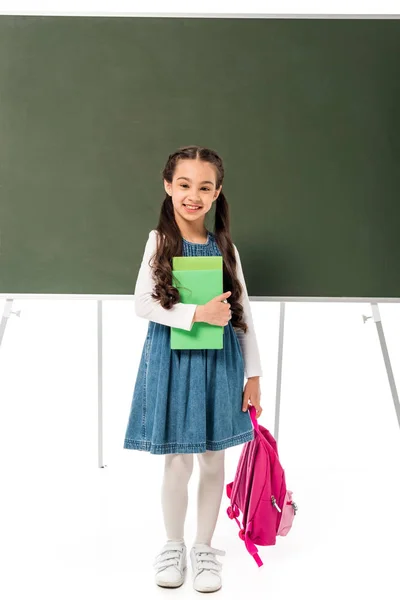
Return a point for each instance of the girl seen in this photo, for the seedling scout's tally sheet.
(189, 402)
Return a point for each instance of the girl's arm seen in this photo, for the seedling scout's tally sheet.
(180, 315)
(247, 341)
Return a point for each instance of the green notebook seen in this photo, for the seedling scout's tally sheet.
(198, 279)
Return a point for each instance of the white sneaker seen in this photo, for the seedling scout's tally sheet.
(170, 565)
(206, 568)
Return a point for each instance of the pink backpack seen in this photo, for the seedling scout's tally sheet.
(259, 493)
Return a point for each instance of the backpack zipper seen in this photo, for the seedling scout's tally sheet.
(294, 505)
(275, 504)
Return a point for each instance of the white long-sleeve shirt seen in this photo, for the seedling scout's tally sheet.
(181, 315)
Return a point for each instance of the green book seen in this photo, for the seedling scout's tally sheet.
(198, 279)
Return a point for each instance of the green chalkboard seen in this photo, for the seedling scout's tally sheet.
(305, 113)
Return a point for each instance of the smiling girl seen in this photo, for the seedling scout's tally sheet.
(188, 402)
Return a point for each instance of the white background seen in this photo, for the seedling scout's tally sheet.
(70, 529)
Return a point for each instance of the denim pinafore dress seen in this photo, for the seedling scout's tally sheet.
(188, 401)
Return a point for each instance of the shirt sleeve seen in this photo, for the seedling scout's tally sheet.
(179, 316)
(247, 341)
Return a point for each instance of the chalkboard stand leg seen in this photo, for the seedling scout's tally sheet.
(279, 373)
(100, 381)
(5, 317)
(392, 383)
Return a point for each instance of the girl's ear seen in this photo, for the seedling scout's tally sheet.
(217, 192)
(168, 187)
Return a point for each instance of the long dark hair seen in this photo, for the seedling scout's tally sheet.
(169, 240)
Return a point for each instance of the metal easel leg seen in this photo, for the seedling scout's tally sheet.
(100, 381)
(279, 373)
(4, 319)
(392, 383)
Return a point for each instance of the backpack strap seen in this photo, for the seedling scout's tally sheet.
(253, 413)
(250, 546)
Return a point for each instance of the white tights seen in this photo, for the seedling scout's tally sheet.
(174, 494)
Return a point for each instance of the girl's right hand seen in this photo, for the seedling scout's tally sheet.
(217, 312)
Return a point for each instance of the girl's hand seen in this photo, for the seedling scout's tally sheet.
(252, 395)
(216, 312)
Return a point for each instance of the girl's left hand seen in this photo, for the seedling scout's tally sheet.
(252, 395)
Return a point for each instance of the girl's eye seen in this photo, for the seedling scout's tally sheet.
(184, 185)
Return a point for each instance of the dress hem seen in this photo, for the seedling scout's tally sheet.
(175, 448)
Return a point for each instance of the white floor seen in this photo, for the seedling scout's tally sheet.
(72, 530)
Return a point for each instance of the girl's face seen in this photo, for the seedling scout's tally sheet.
(193, 184)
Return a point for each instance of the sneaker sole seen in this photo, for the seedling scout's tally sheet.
(207, 590)
(177, 584)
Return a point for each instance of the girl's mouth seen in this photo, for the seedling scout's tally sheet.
(191, 208)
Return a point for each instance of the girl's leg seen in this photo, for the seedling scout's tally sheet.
(211, 487)
(174, 494)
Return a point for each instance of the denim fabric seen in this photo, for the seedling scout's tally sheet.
(188, 401)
